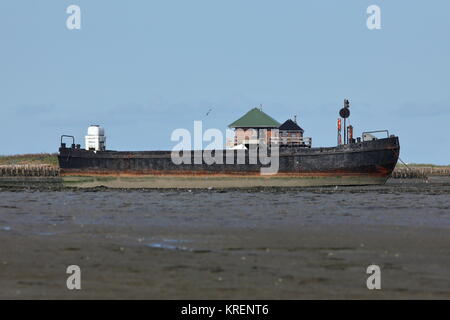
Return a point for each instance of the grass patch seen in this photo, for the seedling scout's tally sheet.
(421, 165)
(32, 159)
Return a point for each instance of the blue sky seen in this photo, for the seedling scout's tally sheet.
(145, 68)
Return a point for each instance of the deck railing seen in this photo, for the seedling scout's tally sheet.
(300, 141)
(294, 141)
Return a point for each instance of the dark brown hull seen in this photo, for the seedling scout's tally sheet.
(369, 162)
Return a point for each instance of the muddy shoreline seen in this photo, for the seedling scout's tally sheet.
(275, 243)
(57, 183)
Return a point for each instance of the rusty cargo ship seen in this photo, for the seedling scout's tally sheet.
(363, 160)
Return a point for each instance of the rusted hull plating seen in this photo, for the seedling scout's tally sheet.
(365, 163)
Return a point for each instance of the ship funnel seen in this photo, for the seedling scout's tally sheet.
(95, 139)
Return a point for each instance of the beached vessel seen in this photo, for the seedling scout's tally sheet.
(361, 161)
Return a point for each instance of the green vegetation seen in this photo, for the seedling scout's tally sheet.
(425, 165)
(419, 170)
(31, 159)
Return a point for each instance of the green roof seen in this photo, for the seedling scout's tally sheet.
(255, 118)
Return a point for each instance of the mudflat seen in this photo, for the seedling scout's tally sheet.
(296, 243)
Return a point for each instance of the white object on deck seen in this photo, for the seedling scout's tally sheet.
(368, 137)
(95, 139)
(238, 147)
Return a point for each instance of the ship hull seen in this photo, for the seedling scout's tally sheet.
(363, 163)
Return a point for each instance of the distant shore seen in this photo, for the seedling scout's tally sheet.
(50, 159)
(419, 170)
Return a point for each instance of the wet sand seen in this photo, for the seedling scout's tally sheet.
(235, 244)
(216, 181)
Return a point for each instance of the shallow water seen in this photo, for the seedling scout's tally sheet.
(402, 204)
